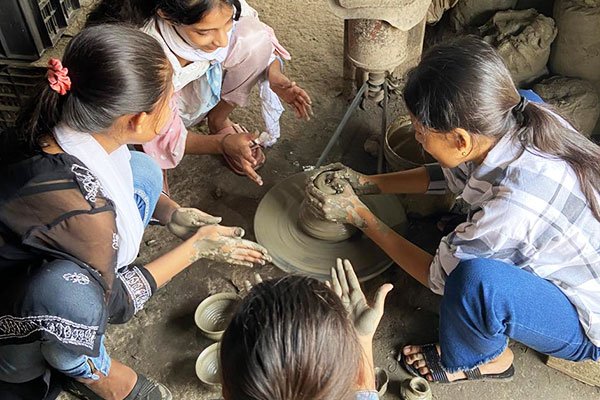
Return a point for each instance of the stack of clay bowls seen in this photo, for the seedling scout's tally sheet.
(212, 317)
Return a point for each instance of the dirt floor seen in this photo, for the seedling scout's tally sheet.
(163, 342)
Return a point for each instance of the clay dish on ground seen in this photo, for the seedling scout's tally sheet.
(416, 388)
(208, 366)
(214, 313)
(381, 381)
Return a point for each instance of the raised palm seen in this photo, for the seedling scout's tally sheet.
(345, 284)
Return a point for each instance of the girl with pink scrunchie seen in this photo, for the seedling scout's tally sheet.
(74, 204)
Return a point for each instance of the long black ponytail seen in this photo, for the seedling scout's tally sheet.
(463, 83)
(114, 71)
(138, 12)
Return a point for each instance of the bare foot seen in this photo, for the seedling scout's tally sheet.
(415, 358)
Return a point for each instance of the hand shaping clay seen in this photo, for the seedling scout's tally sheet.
(276, 227)
(316, 227)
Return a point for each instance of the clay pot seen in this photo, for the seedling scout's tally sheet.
(415, 389)
(208, 366)
(314, 226)
(402, 152)
(214, 313)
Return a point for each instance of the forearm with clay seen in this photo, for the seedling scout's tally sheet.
(215, 242)
(410, 181)
(204, 144)
(366, 380)
(411, 258)
(164, 209)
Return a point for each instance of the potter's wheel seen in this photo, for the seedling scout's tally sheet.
(276, 227)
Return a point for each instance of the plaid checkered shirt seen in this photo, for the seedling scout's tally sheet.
(526, 209)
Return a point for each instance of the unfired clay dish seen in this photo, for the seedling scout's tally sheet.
(214, 313)
(208, 367)
(381, 381)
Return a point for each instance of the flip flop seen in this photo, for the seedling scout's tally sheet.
(144, 389)
(256, 148)
(439, 375)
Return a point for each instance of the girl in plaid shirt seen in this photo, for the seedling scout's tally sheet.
(526, 263)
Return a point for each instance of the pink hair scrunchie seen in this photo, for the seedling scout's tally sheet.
(58, 77)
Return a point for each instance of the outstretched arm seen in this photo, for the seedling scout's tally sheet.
(346, 207)
(415, 180)
(365, 316)
(411, 258)
(214, 242)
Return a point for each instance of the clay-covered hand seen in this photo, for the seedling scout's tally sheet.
(185, 222)
(248, 285)
(239, 147)
(343, 207)
(361, 183)
(366, 317)
(225, 244)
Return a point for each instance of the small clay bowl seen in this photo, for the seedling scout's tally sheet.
(208, 366)
(416, 388)
(381, 381)
(214, 313)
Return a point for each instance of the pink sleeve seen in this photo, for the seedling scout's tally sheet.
(168, 148)
(278, 47)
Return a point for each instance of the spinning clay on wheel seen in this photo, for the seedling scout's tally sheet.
(278, 225)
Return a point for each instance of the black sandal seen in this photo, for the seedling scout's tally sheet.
(438, 374)
(144, 389)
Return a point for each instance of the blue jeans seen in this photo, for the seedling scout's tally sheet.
(147, 183)
(22, 363)
(487, 302)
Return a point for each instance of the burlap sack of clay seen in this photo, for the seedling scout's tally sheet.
(576, 51)
(437, 9)
(575, 99)
(523, 39)
(543, 6)
(476, 12)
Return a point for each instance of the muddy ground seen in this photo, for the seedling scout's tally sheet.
(163, 342)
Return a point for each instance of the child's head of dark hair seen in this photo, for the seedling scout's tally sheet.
(114, 71)
(137, 12)
(463, 84)
(291, 339)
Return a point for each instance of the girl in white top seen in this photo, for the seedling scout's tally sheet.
(219, 51)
